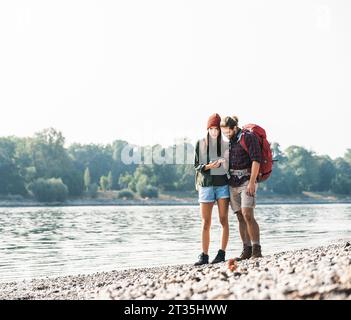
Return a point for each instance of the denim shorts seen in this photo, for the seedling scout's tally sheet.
(211, 194)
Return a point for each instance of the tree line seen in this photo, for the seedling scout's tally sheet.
(41, 166)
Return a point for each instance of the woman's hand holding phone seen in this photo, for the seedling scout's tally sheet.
(213, 165)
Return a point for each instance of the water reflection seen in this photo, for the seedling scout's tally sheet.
(39, 242)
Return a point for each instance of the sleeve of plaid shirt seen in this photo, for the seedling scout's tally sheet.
(253, 146)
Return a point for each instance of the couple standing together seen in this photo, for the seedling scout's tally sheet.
(227, 172)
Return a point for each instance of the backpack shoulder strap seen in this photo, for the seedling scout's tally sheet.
(242, 141)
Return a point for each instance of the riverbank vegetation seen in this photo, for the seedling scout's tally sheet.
(42, 167)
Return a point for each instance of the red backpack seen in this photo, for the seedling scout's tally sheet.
(266, 166)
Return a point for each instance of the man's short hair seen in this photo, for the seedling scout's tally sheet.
(230, 122)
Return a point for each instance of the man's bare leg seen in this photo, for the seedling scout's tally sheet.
(253, 230)
(244, 235)
(252, 226)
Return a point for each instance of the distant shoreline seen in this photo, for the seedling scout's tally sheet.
(109, 198)
(87, 203)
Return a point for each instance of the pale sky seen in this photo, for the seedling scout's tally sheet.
(151, 71)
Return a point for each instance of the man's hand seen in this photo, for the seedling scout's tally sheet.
(251, 189)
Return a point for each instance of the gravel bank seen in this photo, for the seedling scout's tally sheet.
(317, 273)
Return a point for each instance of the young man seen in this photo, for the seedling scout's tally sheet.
(244, 168)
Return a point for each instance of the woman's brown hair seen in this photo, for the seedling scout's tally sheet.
(219, 144)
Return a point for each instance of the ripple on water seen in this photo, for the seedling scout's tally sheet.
(40, 242)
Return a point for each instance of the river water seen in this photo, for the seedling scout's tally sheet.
(55, 241)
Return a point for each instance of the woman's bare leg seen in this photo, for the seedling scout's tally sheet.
(223, 207)
(206, 213)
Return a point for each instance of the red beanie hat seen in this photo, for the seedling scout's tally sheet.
(214, 121)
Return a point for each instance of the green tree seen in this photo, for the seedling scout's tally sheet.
(141, 184)
(74, 180)
(341, 184)
(347, 156)
(165, 176)
(326, 173)
(109, 181)
(51, 160)
(93, 190)
(185, 177)
(125, 194)
(119, 168)
(87, 180)
(49, 190)
(103, 183)
(283, 179)
(304, 166)
(278, 154)
(11, 181)
(48, 153)
(97, 158)
(125, 180)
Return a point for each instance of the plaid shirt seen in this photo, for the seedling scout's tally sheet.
(239, 159)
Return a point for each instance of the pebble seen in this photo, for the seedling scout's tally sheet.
(316, 273)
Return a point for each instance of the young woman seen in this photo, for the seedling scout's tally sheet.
(212, 184)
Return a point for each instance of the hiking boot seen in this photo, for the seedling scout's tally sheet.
(220, 257)
(245, 254)
(203, 259)
(256, 251)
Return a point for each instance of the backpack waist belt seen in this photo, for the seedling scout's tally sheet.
(240, 173)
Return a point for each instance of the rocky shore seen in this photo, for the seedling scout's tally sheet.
(315, 273)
